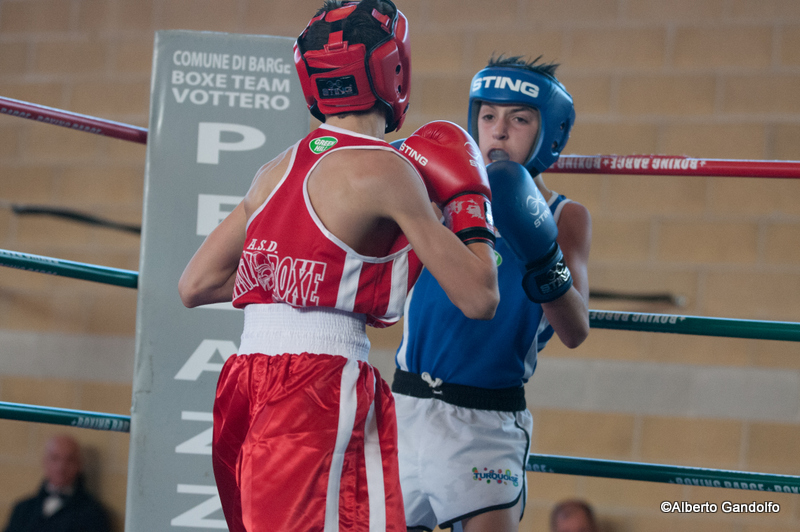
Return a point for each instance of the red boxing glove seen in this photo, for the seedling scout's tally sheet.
(450, 164)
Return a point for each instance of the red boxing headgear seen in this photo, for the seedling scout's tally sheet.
(345, 77)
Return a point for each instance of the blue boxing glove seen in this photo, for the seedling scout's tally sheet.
(397, 143)
(523, 218)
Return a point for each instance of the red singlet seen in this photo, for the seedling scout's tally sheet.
(290, 257)
(305, 436)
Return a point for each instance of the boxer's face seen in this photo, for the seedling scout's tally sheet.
(507, 132)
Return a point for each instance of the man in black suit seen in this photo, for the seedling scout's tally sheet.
(62, 503)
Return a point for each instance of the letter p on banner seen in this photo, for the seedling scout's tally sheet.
(200, 162)
(210, 140)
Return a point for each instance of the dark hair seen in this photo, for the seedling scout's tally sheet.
(518, 61)
(569, 507)
(358, 28)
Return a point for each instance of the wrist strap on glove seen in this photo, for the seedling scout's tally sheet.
(469, 216)
(548, 278)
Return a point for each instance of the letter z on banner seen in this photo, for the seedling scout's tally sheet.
(221, 106)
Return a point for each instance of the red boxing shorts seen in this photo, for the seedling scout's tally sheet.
(306, 442)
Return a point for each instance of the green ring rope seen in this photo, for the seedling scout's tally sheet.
(598, 319)
(62, 416)
(672, 323)
(68, 268)
(542, 463)
(565, 465)
(686, 476)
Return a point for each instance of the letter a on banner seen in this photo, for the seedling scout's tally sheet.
(214, 122)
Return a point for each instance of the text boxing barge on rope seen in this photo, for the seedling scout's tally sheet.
(647, 162)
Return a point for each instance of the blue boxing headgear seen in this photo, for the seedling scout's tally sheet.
(509, 85)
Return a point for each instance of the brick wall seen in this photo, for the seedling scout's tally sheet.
(705, 78)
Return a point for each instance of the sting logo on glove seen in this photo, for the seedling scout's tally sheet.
(475, 157)
(555, 278)
(538, 208)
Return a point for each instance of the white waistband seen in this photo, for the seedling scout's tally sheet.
(277, 328)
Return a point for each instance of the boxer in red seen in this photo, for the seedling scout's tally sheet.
(330, 237)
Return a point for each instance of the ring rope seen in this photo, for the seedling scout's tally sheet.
(695, 325)
(674, 165)
(71, 120)
(68, 268)
(601, 164)
(64, 416)
(669, 474)
(579, 164)
(598, 319)
(542, 463)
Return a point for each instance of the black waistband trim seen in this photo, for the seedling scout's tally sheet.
(503, 399)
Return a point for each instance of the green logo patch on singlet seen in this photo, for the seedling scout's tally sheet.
(322, 144)
(498, 258)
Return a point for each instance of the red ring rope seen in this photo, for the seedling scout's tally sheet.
(572, 164)
(75, 121)
(673, 165)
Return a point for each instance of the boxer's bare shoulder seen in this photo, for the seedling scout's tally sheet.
(266, 179)
(356, 193)
(365, 172)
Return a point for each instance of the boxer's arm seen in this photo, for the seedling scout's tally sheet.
(569, 314)
(211, 273)
(467, 273)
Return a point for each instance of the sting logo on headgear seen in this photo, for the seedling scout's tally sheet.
(337, 87)
(505, 85)
(347, 76)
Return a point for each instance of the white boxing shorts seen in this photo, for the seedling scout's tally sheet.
(457, 462)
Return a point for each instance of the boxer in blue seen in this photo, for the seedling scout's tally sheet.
(463, 422)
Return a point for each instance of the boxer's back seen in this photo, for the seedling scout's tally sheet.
(341, 188)
(315, 239)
